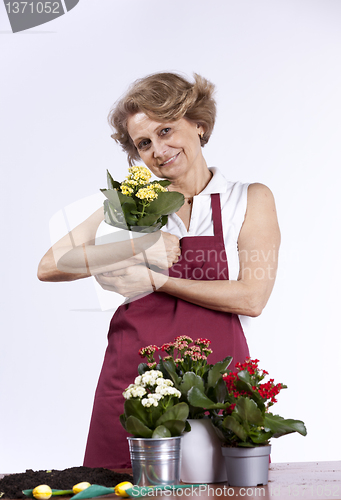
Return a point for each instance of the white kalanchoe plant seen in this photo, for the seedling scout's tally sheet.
(152, 408)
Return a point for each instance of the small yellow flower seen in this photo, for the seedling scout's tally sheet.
(120, 489)
(77, 488)
(42, 492)
(147, 194)
(126, 189)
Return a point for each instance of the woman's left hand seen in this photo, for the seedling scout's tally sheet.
(131, 281)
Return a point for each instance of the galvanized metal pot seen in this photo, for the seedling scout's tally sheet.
(201, 459)
(155, 461)
(247, 466)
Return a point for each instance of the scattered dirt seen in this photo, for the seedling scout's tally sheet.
(11, 486)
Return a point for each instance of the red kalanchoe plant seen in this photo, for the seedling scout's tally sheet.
(184, 361)
(246, 420)
(267, 391)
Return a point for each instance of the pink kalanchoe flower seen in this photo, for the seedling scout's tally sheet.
(181, 345)
(151, 365)
(183, 338)
(203, 342)
(169, 347)
(147, 351)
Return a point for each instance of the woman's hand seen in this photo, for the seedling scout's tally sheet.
(131, 281)
(165, 252)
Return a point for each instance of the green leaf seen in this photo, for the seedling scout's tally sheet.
(169, 367)
(217, 370)
(126, 200)
(280, 426)
(259, 436)
(176, 412)
(244, 383)
(166, 203)
(112, 195)
(111, 183)
(29, 493)
(130, 218)
(142, 368)
(93, 491)
(189, 380)
(176, 427)
(199, 399)
(123, 419)
(134, 407)
(248, 411)
(164, 183)
(161, 432)
(188, 427)
(219, 392)
(114, 216)
(230, 423)
(135, 427)
(148, 220)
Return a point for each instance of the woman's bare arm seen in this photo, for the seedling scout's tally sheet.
(76, 256)
(84, 233)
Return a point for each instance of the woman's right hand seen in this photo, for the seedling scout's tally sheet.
(165, 252)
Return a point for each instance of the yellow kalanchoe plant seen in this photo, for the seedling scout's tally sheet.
(139, 204)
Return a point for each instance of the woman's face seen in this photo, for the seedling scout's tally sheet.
(170, 150)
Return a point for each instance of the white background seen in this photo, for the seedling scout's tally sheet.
(277, 68)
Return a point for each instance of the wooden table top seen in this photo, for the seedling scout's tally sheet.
(287, 481)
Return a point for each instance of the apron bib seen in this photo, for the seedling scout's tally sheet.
(156, 319)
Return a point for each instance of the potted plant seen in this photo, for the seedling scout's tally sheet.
(246, 425)
(156, 419)
(139, 204)
(185, 363)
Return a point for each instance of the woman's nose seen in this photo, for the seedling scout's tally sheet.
(159, 149)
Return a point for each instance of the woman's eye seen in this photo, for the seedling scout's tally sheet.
(165, 131)
(143, 144)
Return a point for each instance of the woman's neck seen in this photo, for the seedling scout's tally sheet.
(193, 183)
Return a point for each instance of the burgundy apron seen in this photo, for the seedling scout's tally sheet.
(156, 319)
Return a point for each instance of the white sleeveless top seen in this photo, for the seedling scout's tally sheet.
(233, 200)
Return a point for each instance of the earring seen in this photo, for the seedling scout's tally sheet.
(201, 135)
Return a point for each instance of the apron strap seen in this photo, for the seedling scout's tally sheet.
(216, 215)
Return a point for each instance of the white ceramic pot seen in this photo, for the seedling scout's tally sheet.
(247, 466)
(202, 461)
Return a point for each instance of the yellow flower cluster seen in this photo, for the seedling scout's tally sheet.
(147, 194)
(150, 193)
(158, 188)
(139, 174)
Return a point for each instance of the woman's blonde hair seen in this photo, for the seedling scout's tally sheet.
(164, 97)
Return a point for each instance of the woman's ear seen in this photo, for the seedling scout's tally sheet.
(200, 130)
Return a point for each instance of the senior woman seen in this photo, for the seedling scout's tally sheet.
(227, 233)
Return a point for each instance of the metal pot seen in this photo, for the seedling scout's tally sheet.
(155, 461)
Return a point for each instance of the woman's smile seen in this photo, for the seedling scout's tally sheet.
(171, 160)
